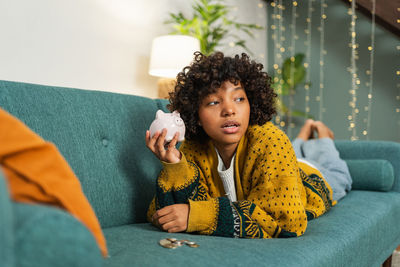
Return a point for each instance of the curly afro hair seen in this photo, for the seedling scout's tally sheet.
(206, 74)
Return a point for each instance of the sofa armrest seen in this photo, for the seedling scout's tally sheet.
(49, 236)
(6, 225)
(384, 150)
(371, 174)
(38, 235)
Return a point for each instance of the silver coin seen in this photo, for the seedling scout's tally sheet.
(190, 242)
(172, 246)
(164, 242)
(178, 243)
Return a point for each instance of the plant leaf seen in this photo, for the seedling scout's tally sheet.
(298, 71)
(298, 113)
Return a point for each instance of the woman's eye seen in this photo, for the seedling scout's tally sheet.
(212, 103)
(239, 99)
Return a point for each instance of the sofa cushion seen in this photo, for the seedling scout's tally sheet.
(101, 135)
(46, 236)
(371, 174)
(353, 233)
(6, 225)
(36, 172)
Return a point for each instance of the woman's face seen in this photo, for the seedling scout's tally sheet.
(224, 115)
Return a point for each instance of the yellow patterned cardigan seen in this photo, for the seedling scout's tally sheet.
(276, 194)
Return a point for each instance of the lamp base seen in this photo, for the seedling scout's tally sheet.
(165, 86)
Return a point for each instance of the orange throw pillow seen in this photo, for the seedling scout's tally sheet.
(36, 172)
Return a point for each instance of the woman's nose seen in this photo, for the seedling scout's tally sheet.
(228, 109)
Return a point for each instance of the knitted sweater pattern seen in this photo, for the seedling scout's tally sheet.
(276, 195)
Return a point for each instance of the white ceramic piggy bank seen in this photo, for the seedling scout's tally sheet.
(172, 122)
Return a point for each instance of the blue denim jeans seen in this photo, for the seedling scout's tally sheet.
(323, 155)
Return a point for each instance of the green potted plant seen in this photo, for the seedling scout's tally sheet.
(210, 24)
(285, 82)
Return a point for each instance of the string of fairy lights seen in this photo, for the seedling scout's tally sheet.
(278, 48)
(370, 72)
(322, 53)
(292, 47)
(359, 118)
(267, 33)
(278, 38)
(307, 62)
(355, 81)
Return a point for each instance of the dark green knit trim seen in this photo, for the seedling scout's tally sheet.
(311, 187)
(318, 186)
(180, 196)
(286, 234)
(225, 218)
(251, 209)
(324, 189)
(248, 228)
(310, 215)
(164, 198)
(276, 231)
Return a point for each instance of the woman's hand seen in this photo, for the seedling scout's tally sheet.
(164, 152)
(173, 218)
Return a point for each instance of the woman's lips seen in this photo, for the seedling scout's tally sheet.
(230, 127)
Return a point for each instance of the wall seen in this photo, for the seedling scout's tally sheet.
(94, 44)
(385, 115)
(105, 45)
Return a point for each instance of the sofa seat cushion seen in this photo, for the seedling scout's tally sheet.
(351, 234)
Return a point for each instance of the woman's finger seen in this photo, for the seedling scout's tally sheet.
(165, 214)
(160, 143)
(169, 225)
(147, 138)
(174, 141)
(174, 230)
(152, 140)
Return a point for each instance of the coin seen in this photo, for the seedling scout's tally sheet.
(173, 246)
(194, 245)
(164, 243)
(171, 239)
(178, 243)
(190, 242)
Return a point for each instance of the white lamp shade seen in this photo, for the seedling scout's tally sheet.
(171, 53)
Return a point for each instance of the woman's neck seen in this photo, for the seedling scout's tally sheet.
(226, 152)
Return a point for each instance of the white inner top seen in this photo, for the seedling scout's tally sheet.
(228, 177)
(307, 162)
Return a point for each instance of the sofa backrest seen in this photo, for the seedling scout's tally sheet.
(102, 136)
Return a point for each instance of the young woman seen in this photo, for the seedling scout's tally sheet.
(236, 174)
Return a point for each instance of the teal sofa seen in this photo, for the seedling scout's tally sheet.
(102, 137)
